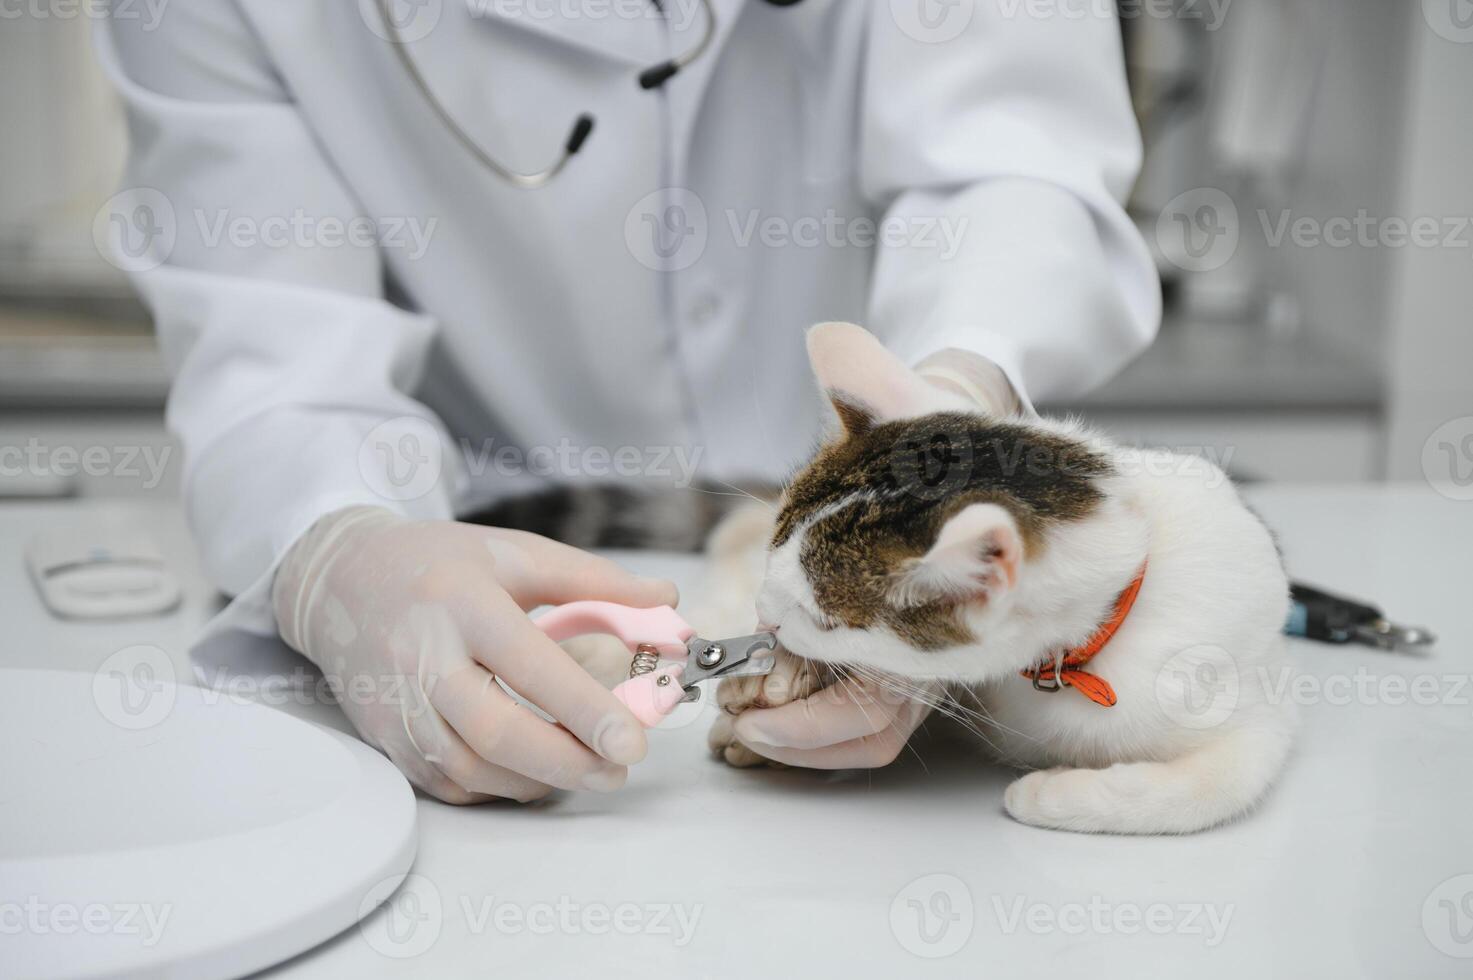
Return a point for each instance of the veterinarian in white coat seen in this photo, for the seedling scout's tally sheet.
(359, 313)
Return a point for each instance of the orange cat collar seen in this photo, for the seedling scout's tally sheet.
(1068, 670)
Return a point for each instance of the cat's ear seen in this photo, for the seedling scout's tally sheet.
(867, 383)
(976, 557)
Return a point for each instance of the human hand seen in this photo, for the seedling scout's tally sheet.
(413, 622)
(789, 717)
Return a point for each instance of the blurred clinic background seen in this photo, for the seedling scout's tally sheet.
(1308, 190)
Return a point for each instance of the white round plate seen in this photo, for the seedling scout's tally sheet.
(183, 832)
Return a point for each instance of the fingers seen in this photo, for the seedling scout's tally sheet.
(437, 759)
(506, 642)
(548, 573)
(836, 714)
(604, 657)
(504, 737)
(870, 752)
(437, 782)
(480, 781)
(834, 729)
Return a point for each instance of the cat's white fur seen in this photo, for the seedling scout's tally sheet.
(1195, 739)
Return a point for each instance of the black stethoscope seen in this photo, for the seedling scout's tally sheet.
(651, 78)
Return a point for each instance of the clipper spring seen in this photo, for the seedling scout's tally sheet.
(646, 659)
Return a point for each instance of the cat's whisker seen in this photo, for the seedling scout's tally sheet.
(854, 692)
(941, 700)
(993, 722)
(736, 492)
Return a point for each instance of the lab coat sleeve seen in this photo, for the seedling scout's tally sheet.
(1001, 157)
(290, 371)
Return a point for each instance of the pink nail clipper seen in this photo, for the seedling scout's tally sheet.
(652, 691)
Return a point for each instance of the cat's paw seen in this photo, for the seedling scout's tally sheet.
(1126, 798)
(792, 679)
(726, 747)
(1217, 783)
(1047, 798)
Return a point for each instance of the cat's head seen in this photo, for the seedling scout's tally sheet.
(909, 537)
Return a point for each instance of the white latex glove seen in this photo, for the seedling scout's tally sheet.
(414, 621)
(849, 725)
(974, 377)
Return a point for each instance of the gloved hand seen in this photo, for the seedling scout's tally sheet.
(975, 378)
(789, 716)
(849, 725)
(414, 621)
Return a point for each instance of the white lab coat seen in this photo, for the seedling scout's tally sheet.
(513, 319)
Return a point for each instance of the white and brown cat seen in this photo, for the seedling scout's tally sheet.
(1100, 615)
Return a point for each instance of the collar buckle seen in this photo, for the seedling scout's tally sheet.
(1053, 685)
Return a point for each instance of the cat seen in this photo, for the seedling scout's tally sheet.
(939, 547)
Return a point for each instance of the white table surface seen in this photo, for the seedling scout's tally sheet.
(1350, 869)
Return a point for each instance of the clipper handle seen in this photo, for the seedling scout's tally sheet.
(660, 627)
(651, 697)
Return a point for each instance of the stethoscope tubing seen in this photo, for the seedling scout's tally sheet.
(651, 78)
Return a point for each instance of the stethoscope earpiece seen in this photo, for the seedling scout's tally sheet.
(658, 75)
(582, 129)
